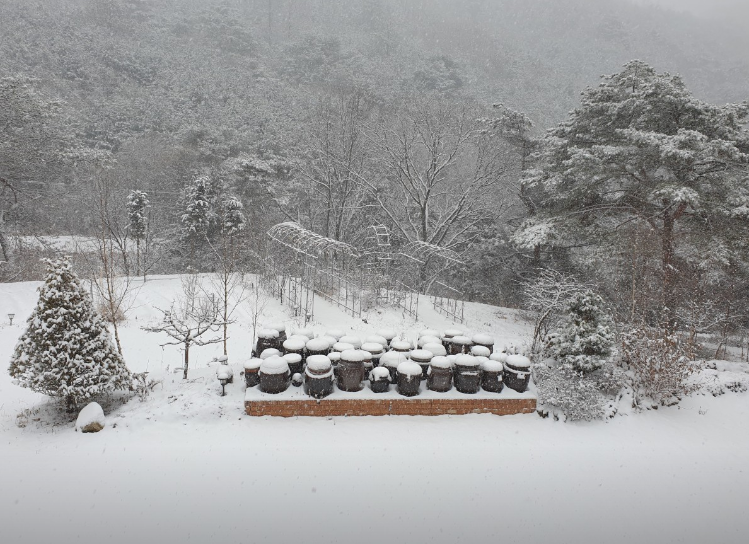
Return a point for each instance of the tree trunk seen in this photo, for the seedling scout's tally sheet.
(187, 360)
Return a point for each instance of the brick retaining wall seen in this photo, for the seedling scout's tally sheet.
(383, 407)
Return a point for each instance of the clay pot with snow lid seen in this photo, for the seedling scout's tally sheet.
(390, 361)
(295, 362)
(387, 334)
(266, 338)
(424, 340)
(440, 375)
(335, 333)
(351, 370)
(517, 372)
(269, 352)
(376, 339)
(317, 346)
(366, 361)
(492, 376)
(379, 380)
(331, 340)
(251, 369)
(295, 345)
(335, 358)
(437, 349)
(467, 374)
(306, 332)
(480, 351)
(422, 358)
(448, 335)
(318, 376)
(485, 340)
(402, 346)
(274, 375)
(281, 329)
(351, 339)
(460, 344)
(429, 332)
(340, 347)
(375, 349)
(409, 378)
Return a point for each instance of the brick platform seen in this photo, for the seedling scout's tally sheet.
(390, 406)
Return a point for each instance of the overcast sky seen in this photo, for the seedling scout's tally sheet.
(715, 8)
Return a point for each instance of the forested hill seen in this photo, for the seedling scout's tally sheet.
(187, 83)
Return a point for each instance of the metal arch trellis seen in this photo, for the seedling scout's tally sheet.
(315, 265)
(446, 299)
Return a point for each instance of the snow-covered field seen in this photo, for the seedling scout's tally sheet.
(188, 466)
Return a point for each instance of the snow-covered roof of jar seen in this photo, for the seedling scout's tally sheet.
(253, 363)
(351, 339)
(318, 363)
(393, 358)
(374, 348)
(379, 373)
(280, 327)
(295, 343)
(440, 362)
(301, 337)
(518, 361)
(466, 360)
(267, 334)
(429, 332)
(352, 355)
(335, 333)
(409, 368)
(334, 356)
(305, 332)
(292, 358)
(501, 357)
(274, 365)
(318, 344)
(428, 339)
(480, 351)
(449, 333)
(492, 366)
(421, 355)
(400, 345)
(269, 352)
(342, 346)
(329, 339)
(483, 339)
(387, 334)
(376, 339)
(461, 340)
(436, 348)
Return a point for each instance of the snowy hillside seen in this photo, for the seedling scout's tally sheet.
(188, 465)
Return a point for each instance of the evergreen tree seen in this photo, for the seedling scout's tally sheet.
(585, 341)
(199, 216)
(641, 151)
(66, 350)
(137, 203)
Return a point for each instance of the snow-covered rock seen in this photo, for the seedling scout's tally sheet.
(91, 419)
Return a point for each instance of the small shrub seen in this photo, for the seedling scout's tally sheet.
(660, 364)
(569, 394)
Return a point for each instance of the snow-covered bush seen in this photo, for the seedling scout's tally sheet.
(569, 394)
(660, 364)
(585, 340)
(66, 350)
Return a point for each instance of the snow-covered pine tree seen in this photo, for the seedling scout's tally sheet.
(642, 152)
(199, 215)
(66, 350)
(233, 216)
(137, 203)
(584, 343)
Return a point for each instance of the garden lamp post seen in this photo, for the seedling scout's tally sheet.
(10, 318)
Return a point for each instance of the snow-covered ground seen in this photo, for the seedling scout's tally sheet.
(188, 466)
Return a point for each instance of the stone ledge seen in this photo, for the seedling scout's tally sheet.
(382, 407)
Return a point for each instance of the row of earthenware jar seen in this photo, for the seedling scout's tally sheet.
(443, 361)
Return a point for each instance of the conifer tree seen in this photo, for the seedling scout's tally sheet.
(584, 343)
(66, 350)
(137, 203)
